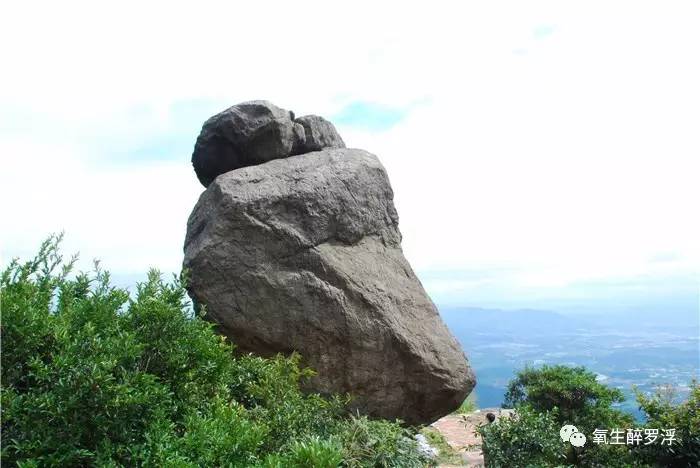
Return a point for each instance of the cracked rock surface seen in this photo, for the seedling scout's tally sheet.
(304, 254)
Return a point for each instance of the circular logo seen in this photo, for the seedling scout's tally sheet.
(566, 432)
(577, 439)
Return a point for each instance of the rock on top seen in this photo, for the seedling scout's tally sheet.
(255, 132)
(318, 134)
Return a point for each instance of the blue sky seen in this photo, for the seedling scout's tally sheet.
(368, 116)
(544, 158)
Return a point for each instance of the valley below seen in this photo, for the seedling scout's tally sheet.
(625, 350)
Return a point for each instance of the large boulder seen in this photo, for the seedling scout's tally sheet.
(303, 254)
(255, 132)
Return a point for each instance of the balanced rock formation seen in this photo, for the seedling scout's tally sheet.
(254, 132)
(304, 254)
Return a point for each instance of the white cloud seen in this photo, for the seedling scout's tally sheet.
(571, 155)
(130, 219)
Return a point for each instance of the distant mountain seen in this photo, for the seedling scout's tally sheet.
(521, 321)
(537, 322)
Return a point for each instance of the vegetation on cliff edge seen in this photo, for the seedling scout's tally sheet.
(94, 377)
(550, 397)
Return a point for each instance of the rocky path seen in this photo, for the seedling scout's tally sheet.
(460, 432)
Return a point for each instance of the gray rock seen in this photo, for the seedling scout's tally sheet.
(319, 134)
(249, 133)
(255, 132)
(303, 254)
(425, 448)
(299, 139)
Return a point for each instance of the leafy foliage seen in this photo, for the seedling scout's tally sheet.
(573, 391)
(551, 396)
(530, 439)
(572, 395)
(662, 413)
(94, 377)
(378, 443)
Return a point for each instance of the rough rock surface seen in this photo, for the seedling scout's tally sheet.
(243, 135)
(303, 254)
(319, 133)
(255, 132)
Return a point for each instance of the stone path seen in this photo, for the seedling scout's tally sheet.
(459, 431)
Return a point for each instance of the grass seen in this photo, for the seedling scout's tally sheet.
(446, 454)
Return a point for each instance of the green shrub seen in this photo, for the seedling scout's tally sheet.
(573, 391)
(662, 413)
(378, 443)
(314, 453)
(94, 377)
(550, 397)
(530, 439)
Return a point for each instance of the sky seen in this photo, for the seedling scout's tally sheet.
(542, 154)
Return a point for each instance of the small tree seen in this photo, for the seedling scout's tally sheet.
(549, 398)
(573, 391)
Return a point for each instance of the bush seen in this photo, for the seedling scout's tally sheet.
(93, 377)
(379, 443)
(662, 413)
(552, 396)
(573, 391)
(548, 398)
(529, 439)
